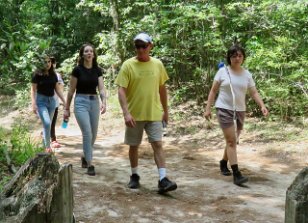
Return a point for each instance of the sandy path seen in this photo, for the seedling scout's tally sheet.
(203, 195)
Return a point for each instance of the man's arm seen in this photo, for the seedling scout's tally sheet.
(129, 120)
(164, 102)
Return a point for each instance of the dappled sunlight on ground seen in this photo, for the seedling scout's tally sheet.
(203, 194)
(193, 149)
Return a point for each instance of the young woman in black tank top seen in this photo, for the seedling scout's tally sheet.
(44, 85)
(86, 79)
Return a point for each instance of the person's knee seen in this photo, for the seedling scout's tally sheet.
(47, 124)
(86, 135)
(231, 143)
(157, 145)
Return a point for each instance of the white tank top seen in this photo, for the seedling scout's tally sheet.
(240, 84)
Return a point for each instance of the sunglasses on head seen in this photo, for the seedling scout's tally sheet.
(140, 45)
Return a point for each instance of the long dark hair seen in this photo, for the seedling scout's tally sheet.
(233, 50)
(81, 59)
(51, 71)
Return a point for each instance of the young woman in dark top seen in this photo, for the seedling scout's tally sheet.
(44, 85)
(86, 78)
(54, 142)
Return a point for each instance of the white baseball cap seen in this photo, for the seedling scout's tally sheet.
(144, 37)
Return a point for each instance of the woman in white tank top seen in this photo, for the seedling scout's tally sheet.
(232, 82)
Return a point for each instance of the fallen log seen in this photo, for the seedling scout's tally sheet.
(40, 192)
(296, 209)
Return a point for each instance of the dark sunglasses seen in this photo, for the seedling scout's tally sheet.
(143, 46)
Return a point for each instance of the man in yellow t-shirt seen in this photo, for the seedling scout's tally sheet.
(143, 99)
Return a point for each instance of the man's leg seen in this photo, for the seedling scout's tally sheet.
(154, 131)
(164, 184)
(133, 156)
(133, 159)
(133, 137)
(159, 155)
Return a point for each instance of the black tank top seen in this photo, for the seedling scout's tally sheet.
(46, 84)
(87, 79)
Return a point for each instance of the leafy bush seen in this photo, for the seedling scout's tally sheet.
(22, 146)
(23, 98)
(19, 146)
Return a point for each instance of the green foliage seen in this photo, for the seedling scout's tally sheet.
(22, 147)
(22, 97)
(190, 37)
(67, 67)
(5, 179)
(287, 99)
(180, 95)
(19, 146)
(267, 130)
(33, 29)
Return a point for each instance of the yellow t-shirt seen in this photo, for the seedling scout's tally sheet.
(142, 81)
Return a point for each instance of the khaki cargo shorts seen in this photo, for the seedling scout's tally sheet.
(153, 129)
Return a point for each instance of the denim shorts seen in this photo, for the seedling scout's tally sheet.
(225, 118)
(154, 130)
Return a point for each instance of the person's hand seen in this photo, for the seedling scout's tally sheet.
(103, 108)
(66, 114)
(34, 108)
(129, 120)
(207, 114)
(165, 117)
(264, 111)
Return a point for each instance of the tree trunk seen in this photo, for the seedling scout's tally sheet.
(114, 13)
(40, 192)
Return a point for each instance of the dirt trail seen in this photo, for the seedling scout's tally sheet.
(203, 195)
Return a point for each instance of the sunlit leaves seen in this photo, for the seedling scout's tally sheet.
(190, 37)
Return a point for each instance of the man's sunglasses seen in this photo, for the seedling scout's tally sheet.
(143, 46)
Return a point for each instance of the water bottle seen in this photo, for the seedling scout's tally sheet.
(164, 128)
(64, 123)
